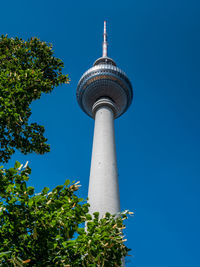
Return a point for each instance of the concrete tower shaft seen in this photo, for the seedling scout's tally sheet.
(103, 187)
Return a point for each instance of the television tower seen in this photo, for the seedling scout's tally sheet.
(104, 93)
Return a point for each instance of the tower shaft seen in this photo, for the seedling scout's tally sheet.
(103, 186)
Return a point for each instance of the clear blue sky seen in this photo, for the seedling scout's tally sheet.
(157, 44)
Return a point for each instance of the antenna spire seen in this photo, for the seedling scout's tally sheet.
(105, 44)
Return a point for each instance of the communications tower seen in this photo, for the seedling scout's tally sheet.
(104, 93)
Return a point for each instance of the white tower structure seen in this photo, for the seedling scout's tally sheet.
(104, 92)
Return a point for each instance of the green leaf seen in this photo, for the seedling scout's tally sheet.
(45, 190)
(67, 182)
(30, 202)
(17, 164)
(96, 215)
(30, 190)
(88, 217)
(81, 231)
(58, 188)
(23, 187)
(12, 171)
(10, 188)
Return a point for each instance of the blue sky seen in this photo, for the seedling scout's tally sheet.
(158, 146)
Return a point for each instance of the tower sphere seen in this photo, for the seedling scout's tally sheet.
(104, 80)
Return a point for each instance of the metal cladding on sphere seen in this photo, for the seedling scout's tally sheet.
(104, 80)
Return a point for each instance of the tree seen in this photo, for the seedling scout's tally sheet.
(46, 229)
(27, 69)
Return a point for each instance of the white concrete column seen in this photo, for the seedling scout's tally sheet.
(103, 186)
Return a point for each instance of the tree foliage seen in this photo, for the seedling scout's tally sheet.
(27, 69)
(46, 229)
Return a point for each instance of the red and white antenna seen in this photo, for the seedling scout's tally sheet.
(105, 44)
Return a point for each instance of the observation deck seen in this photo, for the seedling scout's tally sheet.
(104, 80)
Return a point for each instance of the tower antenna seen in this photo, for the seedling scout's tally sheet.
(105, 44)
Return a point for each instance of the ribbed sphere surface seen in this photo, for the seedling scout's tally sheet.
(104, 80)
